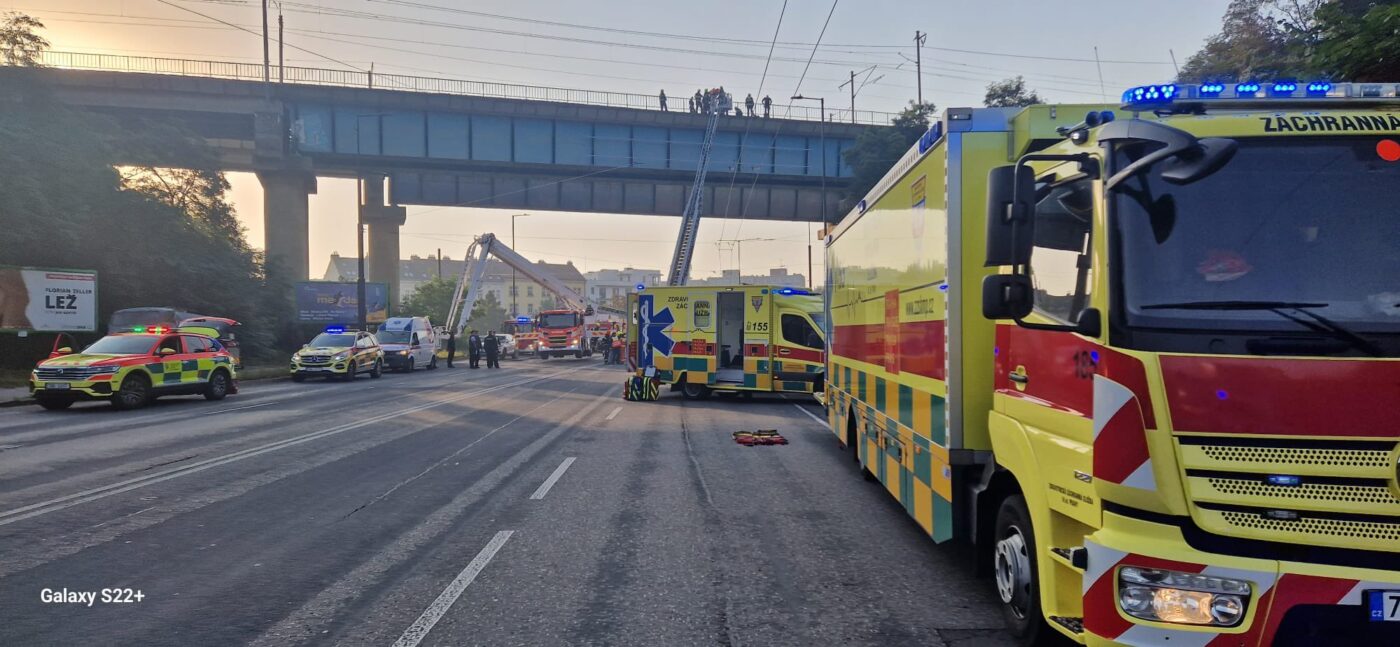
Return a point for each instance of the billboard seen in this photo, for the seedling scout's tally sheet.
(336, 302)
(49, 300)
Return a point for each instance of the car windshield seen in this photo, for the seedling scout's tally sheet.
(122, 345)
(1307, 221)
(558, 320)
(819, 318)
(329, 340)
(395, 336)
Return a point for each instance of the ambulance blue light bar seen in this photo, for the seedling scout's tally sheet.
(791, 291)
(1151, 96)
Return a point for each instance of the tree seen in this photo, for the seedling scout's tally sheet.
(432, 299)
(1359, 45)
(487, 314)
(1010, 93)
(19, 44)
(547, 301)
(877, 149)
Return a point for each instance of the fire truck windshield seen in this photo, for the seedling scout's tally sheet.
(558, 320)
(1288, 221)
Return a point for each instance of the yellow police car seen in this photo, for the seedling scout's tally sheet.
(338, 352)
(131, 369)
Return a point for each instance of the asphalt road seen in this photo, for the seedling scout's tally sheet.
(525, 506)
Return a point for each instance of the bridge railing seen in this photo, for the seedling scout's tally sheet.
(435, 85)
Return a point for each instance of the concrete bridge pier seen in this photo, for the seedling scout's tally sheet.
(382, 259)
(286, 197)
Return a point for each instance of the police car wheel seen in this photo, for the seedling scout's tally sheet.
(54, 404)
(377, 371)
(350, 372)
(217, 387)
(134, 392)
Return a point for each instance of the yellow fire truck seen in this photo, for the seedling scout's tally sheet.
(747, 338)
(1144, 357)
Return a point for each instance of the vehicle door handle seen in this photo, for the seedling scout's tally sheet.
(1019, 378)
(784, 351)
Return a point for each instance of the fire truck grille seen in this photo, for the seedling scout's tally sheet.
(1340, 493)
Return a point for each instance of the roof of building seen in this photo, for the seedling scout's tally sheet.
(423, 269)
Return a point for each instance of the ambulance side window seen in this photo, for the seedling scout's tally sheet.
(197, 345)
(701, 314)
(172, 342)
(797, 330)
(1060, 261)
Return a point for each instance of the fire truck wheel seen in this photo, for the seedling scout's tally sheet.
(515, 355)
(134, 392)
(217, 387)
(1015, 567)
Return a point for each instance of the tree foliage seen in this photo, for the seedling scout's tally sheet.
(487, 314)
(20, 44)
(877, 149)
(1359, 45)
(1290, 39)
(156, 236)
(432, 299)
(1010, 93)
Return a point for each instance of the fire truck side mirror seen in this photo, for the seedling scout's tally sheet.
(1010, 211)
(1007, 296)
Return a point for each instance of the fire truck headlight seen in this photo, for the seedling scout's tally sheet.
(1182, 598)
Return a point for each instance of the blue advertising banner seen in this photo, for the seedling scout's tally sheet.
(335, 302)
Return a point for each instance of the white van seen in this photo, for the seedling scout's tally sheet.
(408, 343)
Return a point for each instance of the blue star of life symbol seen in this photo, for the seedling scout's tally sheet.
(653, 329)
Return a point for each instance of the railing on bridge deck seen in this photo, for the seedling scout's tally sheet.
(357, 79)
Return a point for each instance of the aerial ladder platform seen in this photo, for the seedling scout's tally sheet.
(690, 218)
(469, 283)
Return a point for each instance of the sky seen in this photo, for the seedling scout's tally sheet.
(629, 46)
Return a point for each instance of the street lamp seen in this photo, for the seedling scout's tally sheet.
(514, 309)
(823, 136)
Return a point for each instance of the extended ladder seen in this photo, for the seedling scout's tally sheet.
(469, 283)
(690, 218)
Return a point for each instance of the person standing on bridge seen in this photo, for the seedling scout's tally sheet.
(474, 350)
(748, 103)
(767, 106)
(663, 101)
(493, 350)
(451, 347)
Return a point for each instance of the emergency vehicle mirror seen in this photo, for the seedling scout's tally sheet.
(165, 351)
(1200, 161)
(1010, 204)
(1006, 296)
(64, 351)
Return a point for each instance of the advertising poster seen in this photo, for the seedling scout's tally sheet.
(336, 302)
(48, 300)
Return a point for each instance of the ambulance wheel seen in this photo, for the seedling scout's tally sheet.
(432, 363)
(377, 371)
(695, 391)
(409, 367)
(217, 387)
(1015, 567)
(134, 392)
(54, 404)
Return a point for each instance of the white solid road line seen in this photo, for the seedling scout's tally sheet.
(613, 414)
(553, 478)
(417, 631)
(77, 498)
(810, 415)
(251, 406)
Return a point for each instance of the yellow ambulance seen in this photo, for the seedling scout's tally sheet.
(746, 338)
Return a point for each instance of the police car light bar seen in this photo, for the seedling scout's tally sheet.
(1148, 96)
(335, 330)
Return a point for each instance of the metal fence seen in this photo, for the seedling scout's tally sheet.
(357, 79)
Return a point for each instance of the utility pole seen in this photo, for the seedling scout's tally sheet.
(439, 263)
(267, 62)
(360, 245)
(853, 96)
(280, 49)
(919, 38)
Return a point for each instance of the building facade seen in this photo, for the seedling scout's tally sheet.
(530, 297)
(610, 287)
(778, 276)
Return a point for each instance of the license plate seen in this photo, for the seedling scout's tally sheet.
(1385, 606)
(57, 386)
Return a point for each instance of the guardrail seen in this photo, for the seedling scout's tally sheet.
(356, 79)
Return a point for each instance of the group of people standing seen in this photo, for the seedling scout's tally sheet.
(716, 100)
(612, 348)
(490, 346)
